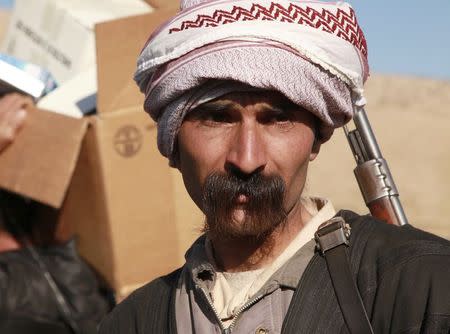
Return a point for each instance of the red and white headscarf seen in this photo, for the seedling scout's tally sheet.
(313, 52)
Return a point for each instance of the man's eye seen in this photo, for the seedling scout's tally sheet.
(277, 118)
(216, 117)
(282, 118)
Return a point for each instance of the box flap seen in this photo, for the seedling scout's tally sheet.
(118, 45)
(40, 162)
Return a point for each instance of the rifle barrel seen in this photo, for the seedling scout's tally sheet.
(372, 172)
(367, 136)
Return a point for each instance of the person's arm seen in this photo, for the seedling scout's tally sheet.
(12, 116)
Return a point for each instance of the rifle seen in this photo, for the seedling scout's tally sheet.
(381, 196)
(372, 172)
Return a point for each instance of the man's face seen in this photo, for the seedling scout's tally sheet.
(243, 141)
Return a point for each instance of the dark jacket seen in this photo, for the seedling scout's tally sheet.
(402, 273)
(27, 304)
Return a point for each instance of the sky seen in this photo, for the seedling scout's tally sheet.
(404, 37)
(407, 37)
(6, 3)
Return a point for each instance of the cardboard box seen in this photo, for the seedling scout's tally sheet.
(132, 216)
(58, 35)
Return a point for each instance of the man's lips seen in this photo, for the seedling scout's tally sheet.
(242, 199)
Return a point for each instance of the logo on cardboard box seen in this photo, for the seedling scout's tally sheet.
(128, 141)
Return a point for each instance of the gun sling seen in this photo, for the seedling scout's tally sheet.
(332, 239)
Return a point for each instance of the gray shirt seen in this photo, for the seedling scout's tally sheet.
(263, 313)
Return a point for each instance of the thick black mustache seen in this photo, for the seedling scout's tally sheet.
(264, 206)
(225, 188)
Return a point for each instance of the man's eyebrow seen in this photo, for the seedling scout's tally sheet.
(215, 106)
(280, 106)
(273, 108)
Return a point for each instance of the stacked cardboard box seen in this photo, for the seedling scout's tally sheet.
(130, 211)
(58, 35)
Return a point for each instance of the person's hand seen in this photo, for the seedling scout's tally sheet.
(12, 116)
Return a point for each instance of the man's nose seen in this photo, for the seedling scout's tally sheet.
(247, 150)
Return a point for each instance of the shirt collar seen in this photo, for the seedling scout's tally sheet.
(201, 265)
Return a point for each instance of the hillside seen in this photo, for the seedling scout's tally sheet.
(411, 119)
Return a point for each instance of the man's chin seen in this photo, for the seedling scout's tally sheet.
(238, 216)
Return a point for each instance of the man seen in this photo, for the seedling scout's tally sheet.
(12, 117)
(244, 93)
(28, 303)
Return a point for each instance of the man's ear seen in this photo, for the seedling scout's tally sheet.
(315, 149)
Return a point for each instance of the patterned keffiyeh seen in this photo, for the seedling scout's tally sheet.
(312, 52)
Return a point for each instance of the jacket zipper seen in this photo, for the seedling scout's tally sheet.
(236, 316)
(255, 300)
(239, 312)
(251, 302)
(222, 327)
